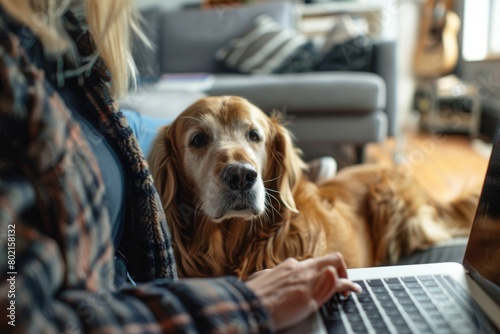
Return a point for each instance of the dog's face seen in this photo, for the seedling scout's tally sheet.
(223, 147)
(226, 152)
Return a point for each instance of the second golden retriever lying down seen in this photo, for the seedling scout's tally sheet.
(237, 199)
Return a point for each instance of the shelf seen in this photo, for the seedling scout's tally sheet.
(318, 18)
(449, 105)
(329, 8)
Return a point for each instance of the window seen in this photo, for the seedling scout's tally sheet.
(481, 30)
(495, 28)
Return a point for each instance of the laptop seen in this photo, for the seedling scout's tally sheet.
(429, 298)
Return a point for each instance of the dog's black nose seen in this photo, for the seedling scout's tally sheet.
(239, 177)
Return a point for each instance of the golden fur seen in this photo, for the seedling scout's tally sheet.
(369, 213)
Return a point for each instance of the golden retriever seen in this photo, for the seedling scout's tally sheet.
(237, 198)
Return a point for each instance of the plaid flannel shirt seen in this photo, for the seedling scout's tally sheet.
(56, 253)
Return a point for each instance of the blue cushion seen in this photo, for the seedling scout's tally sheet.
(145, 128)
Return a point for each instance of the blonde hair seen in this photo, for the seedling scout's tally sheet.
(111, 24)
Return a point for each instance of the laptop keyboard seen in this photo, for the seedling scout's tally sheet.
(417, 304)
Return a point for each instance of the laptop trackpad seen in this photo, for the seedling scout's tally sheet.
(313, 324)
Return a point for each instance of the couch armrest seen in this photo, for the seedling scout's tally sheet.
(384, 64)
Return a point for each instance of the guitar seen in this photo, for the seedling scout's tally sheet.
(437, 47)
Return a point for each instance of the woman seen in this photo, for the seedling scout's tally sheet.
(85, 245)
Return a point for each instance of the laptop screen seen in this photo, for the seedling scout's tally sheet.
(482, 257)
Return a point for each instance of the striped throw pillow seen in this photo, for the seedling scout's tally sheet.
(268, 48)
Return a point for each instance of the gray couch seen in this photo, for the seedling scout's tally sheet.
(326, 108)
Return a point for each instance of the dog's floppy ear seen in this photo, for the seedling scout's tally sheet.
(162, 166)
(285, 165)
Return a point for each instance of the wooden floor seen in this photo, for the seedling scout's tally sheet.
(443, 163)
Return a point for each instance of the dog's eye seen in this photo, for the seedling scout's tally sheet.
(254, 136)
(199, 140)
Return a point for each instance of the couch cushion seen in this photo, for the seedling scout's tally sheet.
(323, 129)
(191, 37)
(320, 92)
(268, 48)
(352, 55)
(347, 46)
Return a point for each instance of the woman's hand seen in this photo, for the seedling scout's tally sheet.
(293, 290)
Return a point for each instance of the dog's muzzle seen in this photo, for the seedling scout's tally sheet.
(239, 177)
(243, 193)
